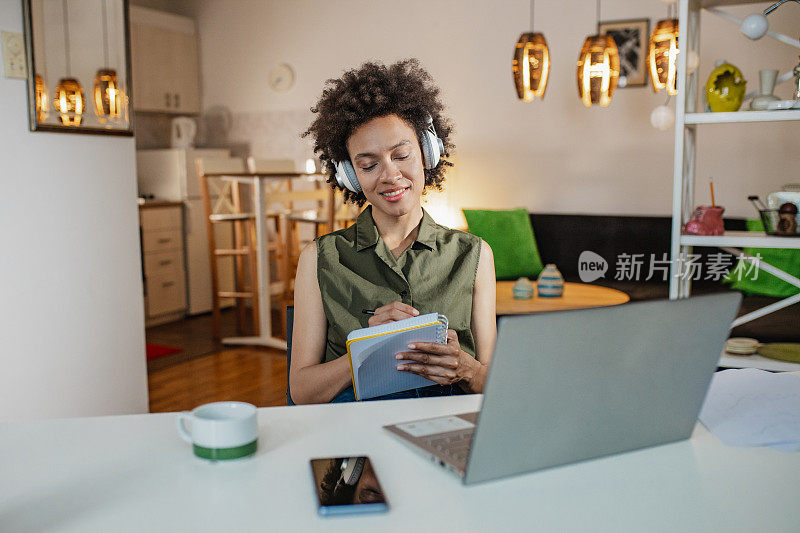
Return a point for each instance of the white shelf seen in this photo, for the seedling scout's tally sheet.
(740, 239)
(718, 3)
(756, 361)
(742, 116)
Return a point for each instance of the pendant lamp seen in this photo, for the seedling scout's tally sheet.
(531, 64)
(663, 56)
(108, 97)
(42, 99)
(598, 69)
(68, 99)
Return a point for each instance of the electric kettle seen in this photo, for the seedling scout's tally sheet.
(183, 131)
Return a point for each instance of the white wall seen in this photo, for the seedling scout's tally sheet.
(71, 320)
(550, 156)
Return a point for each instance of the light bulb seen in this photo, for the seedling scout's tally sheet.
(755, 26)
(662, 118)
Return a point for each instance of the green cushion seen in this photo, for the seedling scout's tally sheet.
(765, 283)
(510, 235)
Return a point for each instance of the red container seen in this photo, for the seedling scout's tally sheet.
(706, 220)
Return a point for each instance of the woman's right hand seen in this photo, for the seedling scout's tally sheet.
(392, 313)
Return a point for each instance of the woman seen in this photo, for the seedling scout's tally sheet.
(371, 128)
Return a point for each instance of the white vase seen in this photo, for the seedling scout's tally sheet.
(550, 283)
(523, 289)
(767, 85)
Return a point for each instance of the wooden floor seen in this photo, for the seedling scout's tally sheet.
(253, 375)
(206, 371)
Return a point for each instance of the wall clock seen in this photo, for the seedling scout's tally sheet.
(281, 77)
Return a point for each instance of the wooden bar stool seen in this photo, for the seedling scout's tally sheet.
(224, 203)
(226, 208)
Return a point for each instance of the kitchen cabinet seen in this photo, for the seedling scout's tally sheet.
(171, 174)
(164, 62)
(161, 225)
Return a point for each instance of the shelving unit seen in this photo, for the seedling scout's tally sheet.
(748, 239)
(742, 116)
(687, 120)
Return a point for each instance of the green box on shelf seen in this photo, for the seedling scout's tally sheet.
(509, 234)
(765, 283)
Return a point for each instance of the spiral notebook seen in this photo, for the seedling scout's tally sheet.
(372, 354)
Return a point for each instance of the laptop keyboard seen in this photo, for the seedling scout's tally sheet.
(453, 446)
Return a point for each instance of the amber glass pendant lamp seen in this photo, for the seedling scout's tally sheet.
(42, 99)
(531, 64)
(662, 55)
(598, 68)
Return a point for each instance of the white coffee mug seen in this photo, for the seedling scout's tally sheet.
(220, 430)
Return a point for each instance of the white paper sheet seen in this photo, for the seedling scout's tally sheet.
(751, 407)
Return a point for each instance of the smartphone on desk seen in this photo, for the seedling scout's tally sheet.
(346, 486)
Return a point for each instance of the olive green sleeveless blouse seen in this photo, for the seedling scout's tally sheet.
(435, 274)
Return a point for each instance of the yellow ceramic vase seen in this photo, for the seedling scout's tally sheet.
(725, 88)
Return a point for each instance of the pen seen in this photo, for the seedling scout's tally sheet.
(368, 312)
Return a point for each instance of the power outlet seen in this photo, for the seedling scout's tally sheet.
(14, 55)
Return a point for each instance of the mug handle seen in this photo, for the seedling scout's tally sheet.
(181, 421)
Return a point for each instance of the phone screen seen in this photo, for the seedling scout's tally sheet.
(347, 485)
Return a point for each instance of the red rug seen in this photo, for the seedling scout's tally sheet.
(155, 351)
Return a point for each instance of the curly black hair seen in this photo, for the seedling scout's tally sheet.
(375, 90)
(332, 492)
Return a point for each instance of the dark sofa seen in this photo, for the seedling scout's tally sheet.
(562, 238)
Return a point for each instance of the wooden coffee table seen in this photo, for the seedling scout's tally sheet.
(576, 296)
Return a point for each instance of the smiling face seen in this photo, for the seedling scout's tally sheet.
(388, 163)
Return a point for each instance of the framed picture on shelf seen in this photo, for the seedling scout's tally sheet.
(632, 38)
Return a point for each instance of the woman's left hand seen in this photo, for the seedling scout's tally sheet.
(444, 364)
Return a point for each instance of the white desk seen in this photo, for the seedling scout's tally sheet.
(134, 473)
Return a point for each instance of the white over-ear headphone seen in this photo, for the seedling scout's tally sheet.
(431, 145)
(352, 468)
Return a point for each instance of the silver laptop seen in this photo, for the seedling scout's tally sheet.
(574, 385)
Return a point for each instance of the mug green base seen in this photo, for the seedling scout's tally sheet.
(221, 454)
